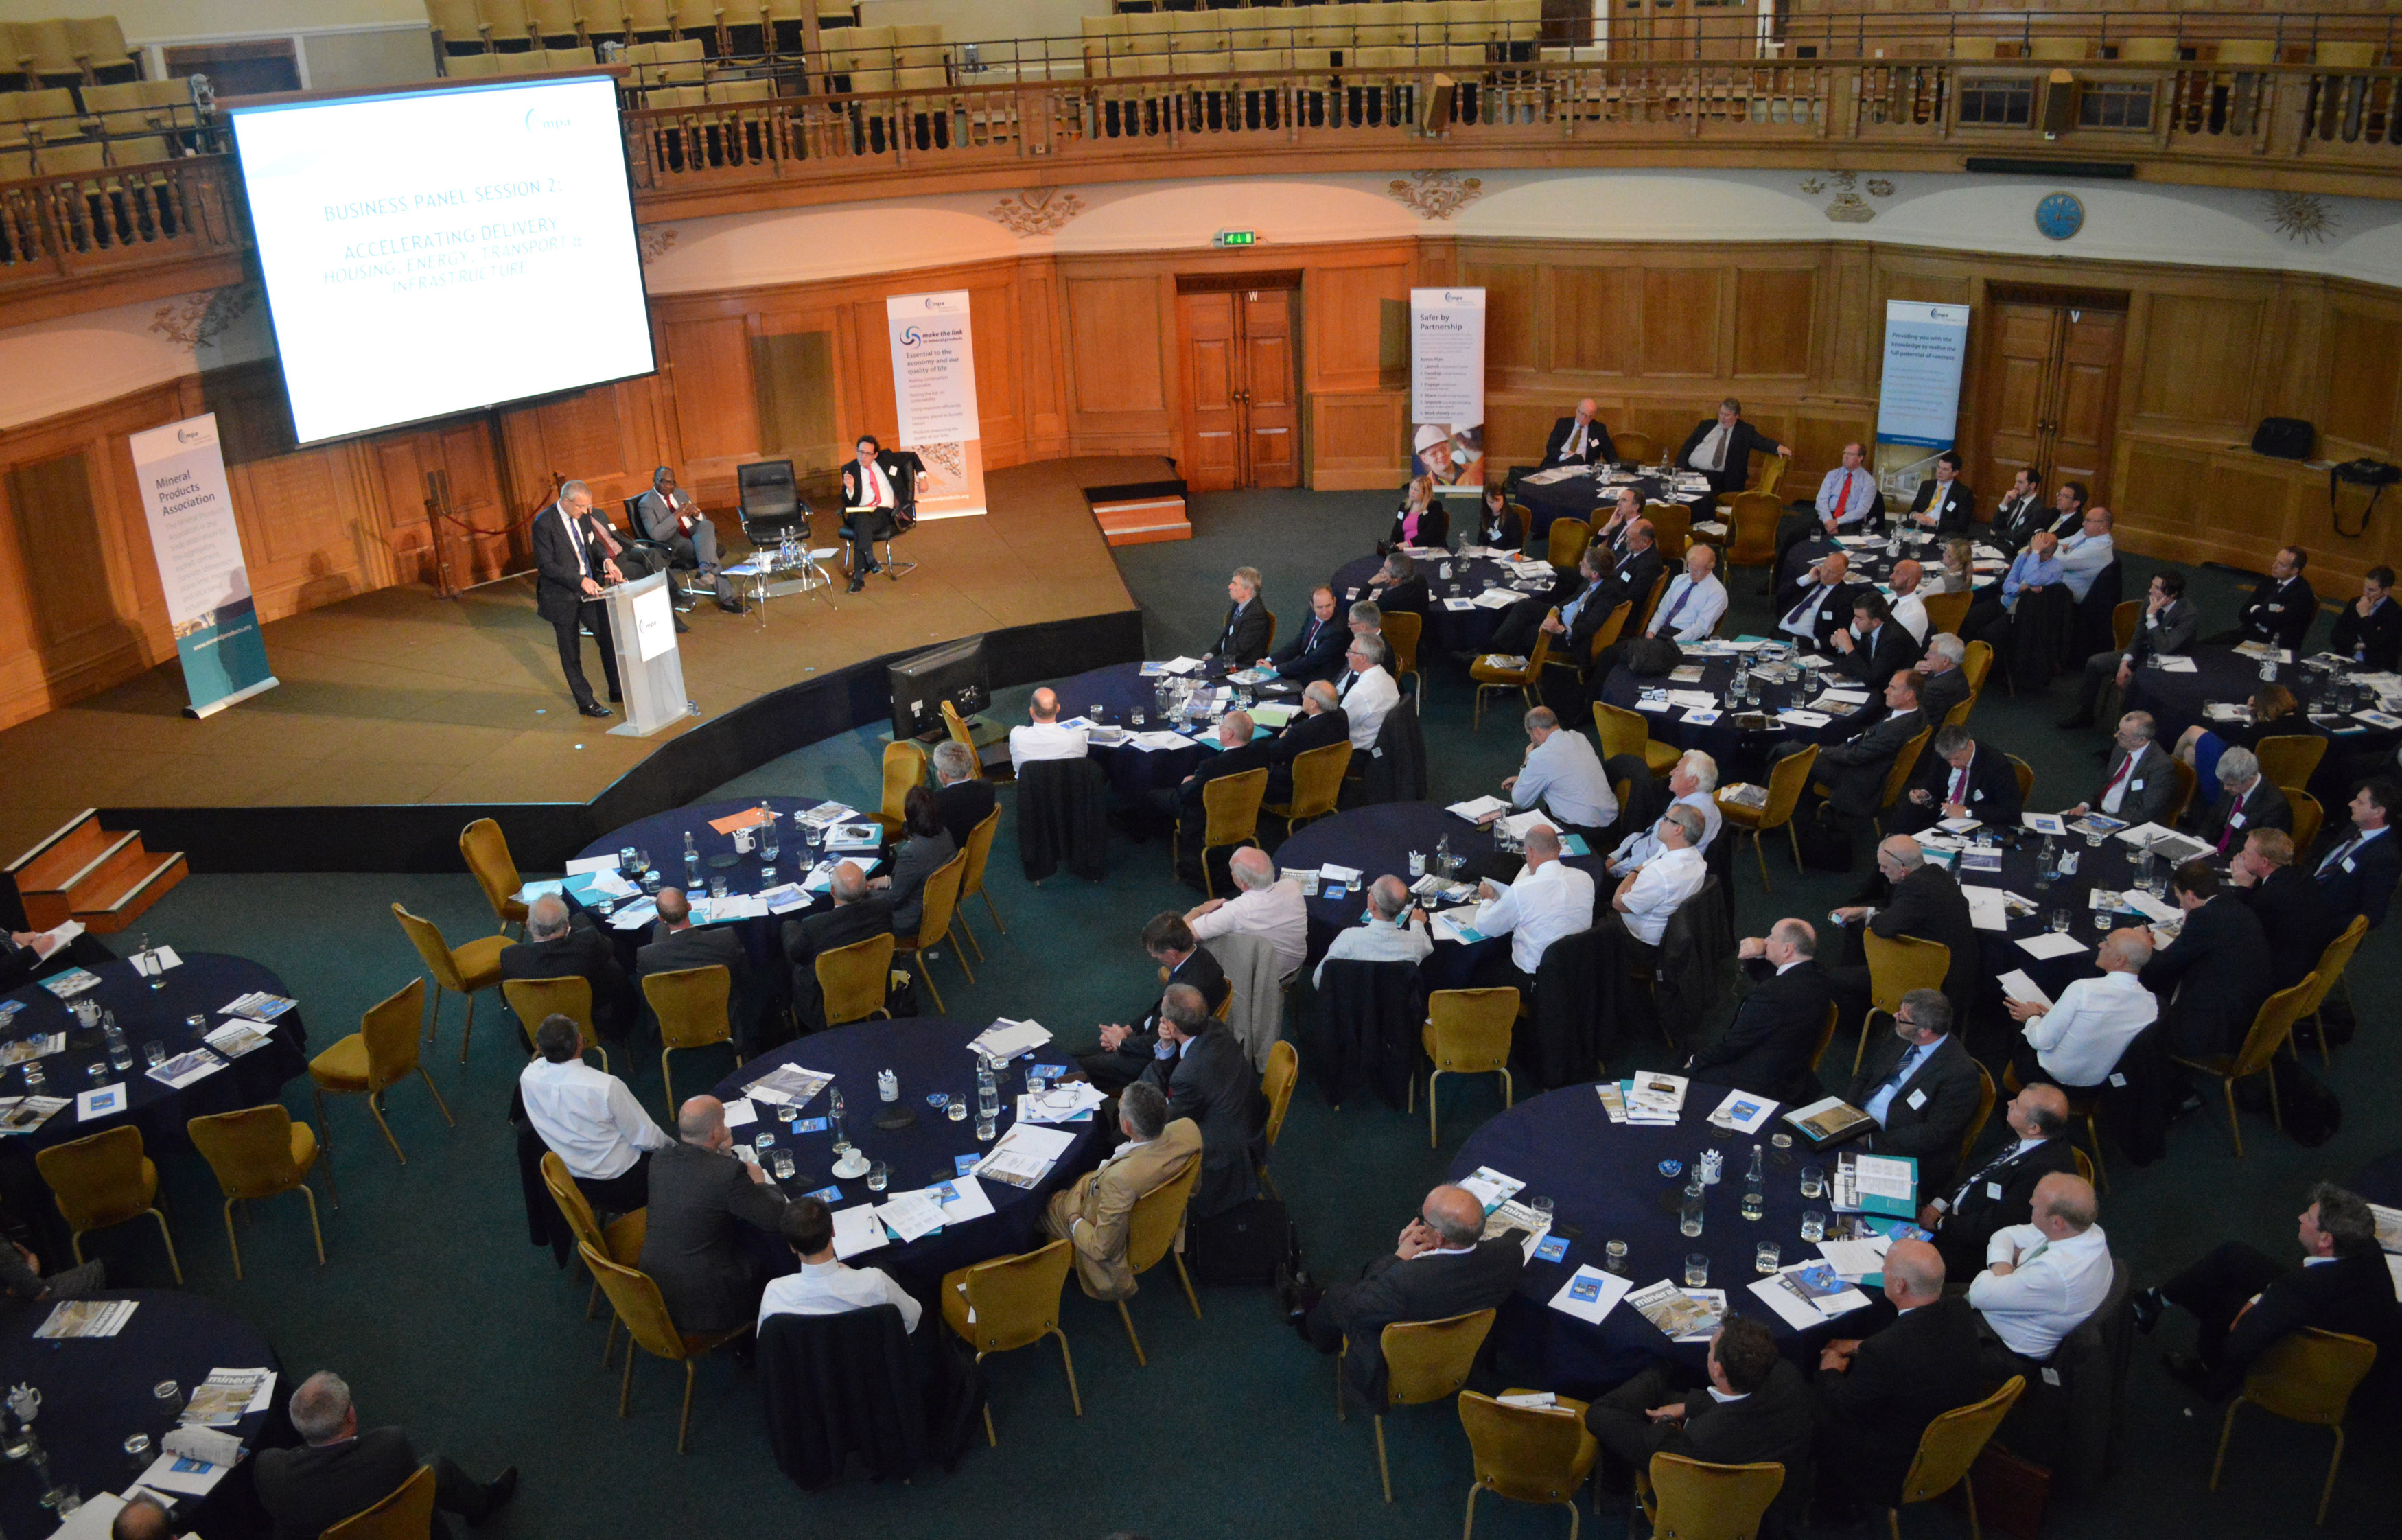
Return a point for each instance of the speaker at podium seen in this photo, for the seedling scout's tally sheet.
(649, 665)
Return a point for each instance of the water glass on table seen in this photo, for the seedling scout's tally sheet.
(1613, 1257)
(1813, 1181)
(1764, 1257)
(1697, 1270)
(1814, 1225)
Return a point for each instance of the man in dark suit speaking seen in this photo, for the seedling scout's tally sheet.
(1721, 450)
(879, 499)
(569, 572)
(341, 1471)
(1440, 1269)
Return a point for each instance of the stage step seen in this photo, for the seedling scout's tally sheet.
(83, 871)
(1141, 512)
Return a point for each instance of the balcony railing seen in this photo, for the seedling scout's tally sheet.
(64, 229)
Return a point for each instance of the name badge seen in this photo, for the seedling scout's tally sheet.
(2348, 866)
(2235, 820)
(2135, 786)
(1994, 1191)
(1917, 1100)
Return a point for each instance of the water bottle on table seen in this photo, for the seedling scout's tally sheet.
(691, 865)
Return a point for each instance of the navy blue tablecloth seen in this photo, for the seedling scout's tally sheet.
(1112, 695)
(1576, 497)
(1741, 753)
(928, 1053)
(2221, 674)
(96, 1392)
(1462, 631)
(1605, 1179)
(2380, 1181)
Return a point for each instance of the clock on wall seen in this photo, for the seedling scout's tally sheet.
(2060, 215)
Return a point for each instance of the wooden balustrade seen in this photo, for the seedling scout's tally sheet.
(62, 229)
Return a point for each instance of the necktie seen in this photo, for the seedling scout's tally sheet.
(1808, 607)
(1959, 792)
(2336, 858)
(1349, 679)
(1668, 620)
(1575, 445)
(1988, 1169)
(575, 538)
(2234, 816)
(2115, 781)
(883, 487)
(1901, 1066)
(1843, 496)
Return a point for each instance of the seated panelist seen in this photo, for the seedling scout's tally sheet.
(880, 500)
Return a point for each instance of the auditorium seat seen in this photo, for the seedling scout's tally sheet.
(457, 28)
(678, 63)
(920, 47)
(558, 24)
(140, 106)
(505, 26)
(568, 61)
(33, 118)
(46, 52)
(476, 66)
(650, 19)
(98, 44)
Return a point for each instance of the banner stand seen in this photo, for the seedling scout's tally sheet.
(1447, 390)
(933, 388)
(193, 537)
(1918, 395)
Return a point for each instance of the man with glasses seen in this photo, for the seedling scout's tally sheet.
(1920, 1088)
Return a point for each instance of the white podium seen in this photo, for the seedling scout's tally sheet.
(650, 665)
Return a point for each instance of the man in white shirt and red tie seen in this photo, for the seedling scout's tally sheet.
(880, 498)
(1848, 503)
(2139, 787)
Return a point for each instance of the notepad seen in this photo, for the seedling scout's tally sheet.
(1591, 1294)
(2052, 944)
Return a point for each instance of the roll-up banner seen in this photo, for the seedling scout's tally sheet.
(1447, 386)
(1918, 400)
(181, 469)
(934, 385)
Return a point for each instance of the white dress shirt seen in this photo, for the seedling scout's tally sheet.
(1689, 611)
(1274, 914)
(1848, 508)
(1378, 941)
(1911, 612)
(1542, 904)
(1802, 621)
(2078, 1040)
(2045, 1298)
(1710, 453)
(588, 1119)
(1565, 774)
(1046, 740)
(1644, 844)
(1668, 880)
(1370, 696)
(832, 1289)
(2082, 559)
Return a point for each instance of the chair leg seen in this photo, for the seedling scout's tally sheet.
(996, 913)
(991, 1439)
(2093, 1137)
(626, 1381)
(1190, 1297)
(434, 1017)
(1433, 1137)
(1795, 840)
(377, 1111)
(74, 1244)
(2276, 1114)
(2226, 1432)
(960, 920)
(439, 1104)
(1383, 1466)
(325, 1133)
(314, 1228)
(684, 1424)
(1760, 851)
(2234, 1130)
(2327, 1491)
(666, 1075)
(1468, 1529)
(1510, 1089)
(959, 957)
(1969, 1496)
(2318, 1026)
(926, 973)
(1075, 1396)
(1569, 1503)
(169, 1240)
(1141, 1361)
(233, 1243)
(467, 1033)
(1893, 1521)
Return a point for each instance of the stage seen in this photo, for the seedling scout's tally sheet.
(401, 717)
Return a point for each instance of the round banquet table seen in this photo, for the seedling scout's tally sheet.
(2222, 675)
(1577, 496)
(927, 1054)
(2113, 866)
(1378, 840)
(1449, 630)
(1739, 751)
(96, 1392)
(1112, 695)
(1606, 1181)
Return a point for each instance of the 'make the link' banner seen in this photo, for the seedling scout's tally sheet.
(182, 472)
(934, 385)
(1447, 385)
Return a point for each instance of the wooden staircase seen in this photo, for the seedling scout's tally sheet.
(1141, 512)
(85, 873)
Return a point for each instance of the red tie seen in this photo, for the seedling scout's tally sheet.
(2125, 766)
(1843, 496)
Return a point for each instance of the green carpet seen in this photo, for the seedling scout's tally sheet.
(444, 1320)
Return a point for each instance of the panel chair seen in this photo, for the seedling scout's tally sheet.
(1424, 1361)
(692, 1007)
(935, 919)
(1898, 777)
(1492, 674)
(2308, 816)
(999, 767)
(1230, 807)
(486, 851)
(2270, 1027)
(1699, 1501)
(1785, 780)
(407, 1514)
(1275, 1085)
(258, 1152)
(2026, 774)
(103, 1180)
(2290, 759)
(2184, 776)
(570, 996)
(1402, 631)
(2305, 1376)
(1567, 539)
(370, 1061)
(1626, 732)
(1528, 1454)
(635, 1297)
(1011, 1302)
(505, 22)
(979, 854)
(904, 767)
(1151, 1230)
(855, 980)
(1826, 1037)
(1317, 785)
(620, 1241)
(1896, 966)
(1467, 1032)
(2334, 959)
(1977, 661)
(1947, 1450)
(465, 971)
(1986, 1097)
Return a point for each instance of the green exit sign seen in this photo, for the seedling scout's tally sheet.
(1235, 238)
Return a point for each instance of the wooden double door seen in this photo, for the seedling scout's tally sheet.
(1242, 384)
(2049, 393)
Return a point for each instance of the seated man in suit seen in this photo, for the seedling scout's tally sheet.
(1873, 646)
(1855, 770)
(1440, 1269)
(1248, 629)
(2031, 572)
(963, 799)
(558, 947)
(1513, 634)
(1723, 449)
(1753, 1406)
(2043, 1278)
(1563, 775)
(2282, 608)
(2247, 801)
(2216, 974)
(858, 913)
(1394, 930)
(1816, 604)
(1093, 1214)
(677, 943)
(2358, 871)
(2368, 630)
(2077, 1039)
(1766, 1047)
(669, 517)
(1625, 513)
(1877, 1395)
(1944, 505)
(1999, 1190)
(1239, 751)
(1396, 586)
(2167, 629)
(825, 1285)
(1582, 439)
(1920, 1087)
(1848, 503)
(340, 1470)
(2137, 786)
(2021, 511)
(144, 1517)
(1913, 897)
(692, 1249)
(1206, 1077)
(879, 499)
(1959, 778)
(1315, 648)
(1126, 1052)
(1321, 722)
(2243, 1301)
(588, 1119)
(1943, 683)
(2296, 914)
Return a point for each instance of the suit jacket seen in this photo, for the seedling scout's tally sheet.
(1741, 441)
(1855, 770)
(1835, 610)
(1766, 1048)
(1302, 734)
(1992, 783)
(1244, 638)
(1409, 595)
(2151, 785)
(2353, 1294)
(2018, 520)
(824, 932)
(1931, 1130)
(584, 953)
(1200, 969)
(558, 582)
(2211, 980)
(1508, 532)
(1105, 1200)
(2266, 807)
(694, 1250)
(2378, 640)
(1895, 649)
(900, 468)
(1315, 650)
(1978, 1213)
(1955, 505)
(1776, 1423)
(2298, 918)
(699, 946)
(1922, 1366)
(1258, 754)
(1928, 905)
(920, 858)
(1424, 1288)
(1938, 694)
(2368, 886)
(2173, 636)
(1597, 446)
(307, 1491)
(1633, 578)
(1434, 527)
(963, 805)
(658, 521)
(1212, 1082)
(2280, 613)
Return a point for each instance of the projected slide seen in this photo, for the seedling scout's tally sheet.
(439, 251)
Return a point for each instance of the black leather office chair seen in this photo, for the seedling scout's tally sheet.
(685, 595)
(768, 504)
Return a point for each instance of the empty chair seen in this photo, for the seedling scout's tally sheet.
(101, 1180)
(506, 24)
(644, 1314)
(2270, 1026)
(1275, 1086)
(486, 851)
(457, 27)
(2149, 50)
(1528, 1454)
(979, 854)
(620, 1241)
(941, 907)
(2345, 56)
(1317, 785)
(258, 1152)
(1011, 1302)
(1785, 780)
(650, 19)
(1467, 1032)
(465, 970)
(551, 22)
(1492, 672)
(98, 44)
(369, 1062)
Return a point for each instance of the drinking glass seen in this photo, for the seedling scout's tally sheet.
(957, 1111)
(987, 1126)
(2103, 919)
(717, 885)
(1764, 1256)
(1094, 712)
(641, 860)
(626, 859)
(1813, 1181)
(1543, 1206)
(780, 1162)
(764, 1142)
(1697, 1270)
(1755, 1202)
(98, 1073)
(169, 1398)
(1688, 1222)
(879, 1176)
(2059, 922)
(2094, 838)
(1613, 1257)
(63, 1499)
(154, 1053)
(1814, 1225)
(786, 1113)
(197, 1026)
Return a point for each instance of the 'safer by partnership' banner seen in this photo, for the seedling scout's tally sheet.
(1918, 400)
(934, 385)
(1447, 385)
(182, 472)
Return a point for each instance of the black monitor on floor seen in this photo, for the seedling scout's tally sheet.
(953, 672)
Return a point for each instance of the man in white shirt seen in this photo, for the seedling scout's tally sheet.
(1645, 899)
(1693, 783)
(1267, 907)
(1694, 602)
(2083, 555)
(823, 1286)
(588, 1120)
(2042, 1280)
(1818, 602)
(1395, 930)
(1563, 774)
(1044, 738)
(1548, 899)
(1367, 692)
(1908, 607)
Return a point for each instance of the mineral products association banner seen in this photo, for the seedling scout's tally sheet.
(934, 385)
(1447, 385)
(182, 473)
(1918, 400)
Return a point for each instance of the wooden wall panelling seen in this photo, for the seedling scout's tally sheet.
(707, 361)
(2363, 370)
(1513, 347)
(1775, 310)
(1040, 360)
(1356, 439)
(1684, 323)
(1596, 319)
(1117, 368)
(2196, 362)
(1343, 311)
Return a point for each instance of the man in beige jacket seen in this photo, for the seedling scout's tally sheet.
(1096, 1213)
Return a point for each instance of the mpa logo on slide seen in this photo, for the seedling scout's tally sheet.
(536, 123)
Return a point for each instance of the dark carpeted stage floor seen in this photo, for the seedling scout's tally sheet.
(401, 716)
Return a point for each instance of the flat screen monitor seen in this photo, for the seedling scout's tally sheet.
(435, 252)
(920, 682)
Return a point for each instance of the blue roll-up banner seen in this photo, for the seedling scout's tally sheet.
(1918, 400)
(198, 549)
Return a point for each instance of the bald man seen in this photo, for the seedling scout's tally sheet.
(558, 943)
(694, 1248)
(1766, 1048)
(1877, 1395)
(1322, 723)
(1997, 1189)
(2043, 1278)
(1439, 1269)
(1580, 439)
(1241, 747)
(1044, 737)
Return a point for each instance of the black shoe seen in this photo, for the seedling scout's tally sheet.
(858, 581)
(497, 1494)
(734, 609)
(593, 709)
(616, 697)
(2188, 1372)
(2146, 1307)
(682, 628)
